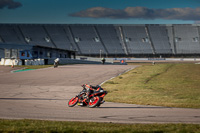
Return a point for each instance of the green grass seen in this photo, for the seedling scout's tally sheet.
(23, 70)
(38, 66)
(91, 127)
(171, 85)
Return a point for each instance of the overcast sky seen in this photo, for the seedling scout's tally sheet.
(100, 11)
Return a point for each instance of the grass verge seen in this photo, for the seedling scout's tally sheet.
(34, 66)
(91, 127)
(171, 85)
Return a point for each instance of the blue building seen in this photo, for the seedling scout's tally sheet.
(24, 52)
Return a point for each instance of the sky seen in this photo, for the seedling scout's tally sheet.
(100, 11)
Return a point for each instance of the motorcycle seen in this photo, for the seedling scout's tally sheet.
(91, 96)
(55, 64)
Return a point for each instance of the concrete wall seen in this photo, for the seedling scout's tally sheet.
(19, 62)
(73, 61)
(49, 61)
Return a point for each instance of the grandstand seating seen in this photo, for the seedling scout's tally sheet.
(160, 40)
(186, 39)
(85, 39)
(110, 39)
(36, 35)
(170, 31)
(71, 38)
(10, 34)
(135, 36)
(59, 37)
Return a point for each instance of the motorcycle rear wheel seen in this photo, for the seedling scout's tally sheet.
(72, 102)
(94, 102)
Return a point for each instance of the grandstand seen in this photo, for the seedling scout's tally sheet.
(187, 39)
(11, 34)
(99, 39)
(160, 40)
(137, 40)
(110, 39)
(86, 39)
(59, 37)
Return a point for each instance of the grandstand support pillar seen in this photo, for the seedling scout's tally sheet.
(198, 29)
(150, 40)
(20, 30)
(97, 33)
(72, 35)
(2, 40)
(49, 36)
(123, 40)
(173, 36)
(71, 39)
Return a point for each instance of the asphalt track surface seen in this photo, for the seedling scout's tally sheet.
(43, 94)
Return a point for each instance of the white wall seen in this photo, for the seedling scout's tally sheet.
(19, 62)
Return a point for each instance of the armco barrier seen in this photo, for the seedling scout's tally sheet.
(156, 59)
(108, 60)
(89, 60)
(73, 61)
(49, 61)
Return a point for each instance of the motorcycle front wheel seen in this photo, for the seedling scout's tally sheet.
(72, 102)
(94, 102)
(101, 99)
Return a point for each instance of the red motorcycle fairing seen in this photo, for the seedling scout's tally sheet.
(99, 93)
(95, 99)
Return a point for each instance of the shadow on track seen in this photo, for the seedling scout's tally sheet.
(133, 107)
(29, 99)
(141, 107)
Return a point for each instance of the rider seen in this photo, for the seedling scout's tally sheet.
(56, 61)
(103, 60)
(91, 89)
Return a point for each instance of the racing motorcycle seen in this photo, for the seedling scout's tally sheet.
(55, 64)
(91, 96)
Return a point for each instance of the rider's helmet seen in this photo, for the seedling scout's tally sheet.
(57, 60)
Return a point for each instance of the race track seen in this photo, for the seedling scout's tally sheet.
(43, 94)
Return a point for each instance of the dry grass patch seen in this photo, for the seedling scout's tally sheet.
(172, 85)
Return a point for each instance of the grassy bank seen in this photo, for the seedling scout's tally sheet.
(172, 85)
(34, 66)
(89, 127)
